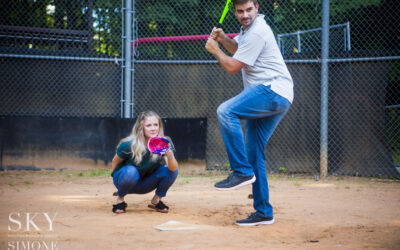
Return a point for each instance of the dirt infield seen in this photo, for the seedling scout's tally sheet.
(72, 210)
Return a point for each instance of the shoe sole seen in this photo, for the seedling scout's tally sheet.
(158, 210)
(252, 180)
(256, 223)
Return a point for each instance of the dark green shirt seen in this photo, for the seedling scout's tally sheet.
(146, 167)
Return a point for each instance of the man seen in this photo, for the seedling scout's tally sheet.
(265, 99)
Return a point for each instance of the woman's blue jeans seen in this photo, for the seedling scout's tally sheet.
(127, 180)
(262, 109)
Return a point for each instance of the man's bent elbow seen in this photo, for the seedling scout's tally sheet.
(234, 66)
(232, 71)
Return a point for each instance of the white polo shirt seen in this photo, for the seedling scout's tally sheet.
(257, 48)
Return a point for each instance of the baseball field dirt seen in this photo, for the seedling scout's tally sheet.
(72, 210)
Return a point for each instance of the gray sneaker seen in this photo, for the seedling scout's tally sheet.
(234, 182)
(254, 220)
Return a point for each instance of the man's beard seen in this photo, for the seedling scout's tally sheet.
(245, 20)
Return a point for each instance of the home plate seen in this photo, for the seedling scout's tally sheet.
(173, 225)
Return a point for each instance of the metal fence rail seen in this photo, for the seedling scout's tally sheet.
(80, 59)
(339, 33)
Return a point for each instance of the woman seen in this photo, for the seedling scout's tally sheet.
(137, 171)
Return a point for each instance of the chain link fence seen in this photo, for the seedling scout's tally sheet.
(67, 58)
(364, 91)
(60, 58)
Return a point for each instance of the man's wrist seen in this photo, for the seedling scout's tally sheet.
(219, 53)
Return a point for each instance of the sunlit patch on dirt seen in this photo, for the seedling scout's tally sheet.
(322, 185)
(71, 198)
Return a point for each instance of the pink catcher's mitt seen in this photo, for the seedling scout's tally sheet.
(158, 145)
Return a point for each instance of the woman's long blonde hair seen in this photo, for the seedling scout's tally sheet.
(138, 146)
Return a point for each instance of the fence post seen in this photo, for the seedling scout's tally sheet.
(348, 36)
(128, 60)
(90, 26)
(298, 42)
(279, 43)
(324, 91)
(133, 50)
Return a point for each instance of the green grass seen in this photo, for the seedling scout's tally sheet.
(13, 187)
(294, 178)
(227, 166)
(88, 173)
(273, 178)
(396, 157)
(297, 184)
(65, 173)
(99, 172)
(184, 181)
(217, 180)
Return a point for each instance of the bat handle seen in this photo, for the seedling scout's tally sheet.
(218, 25)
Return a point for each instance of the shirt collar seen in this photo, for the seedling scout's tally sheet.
(259, 16)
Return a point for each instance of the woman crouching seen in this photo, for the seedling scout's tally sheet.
(137, 171)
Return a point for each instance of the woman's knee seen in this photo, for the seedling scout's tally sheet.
(164, 171)
(129, 176)
(174, 173)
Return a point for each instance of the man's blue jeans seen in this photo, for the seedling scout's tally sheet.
(127, 180)
(262, 109)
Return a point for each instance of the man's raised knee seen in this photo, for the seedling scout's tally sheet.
(222, 110)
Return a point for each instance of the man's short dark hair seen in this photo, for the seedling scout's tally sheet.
(243, 1)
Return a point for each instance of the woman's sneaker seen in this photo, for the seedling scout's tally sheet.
(234, 181)
(254, 220)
